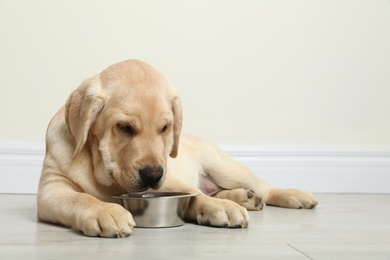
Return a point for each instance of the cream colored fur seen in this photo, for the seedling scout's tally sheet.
(117, 123)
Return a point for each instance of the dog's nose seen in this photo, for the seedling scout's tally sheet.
(151, 175)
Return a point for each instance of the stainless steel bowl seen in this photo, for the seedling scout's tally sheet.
(157, 209)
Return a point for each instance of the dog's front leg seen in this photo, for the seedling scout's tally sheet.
(60, 202)
(206, 210)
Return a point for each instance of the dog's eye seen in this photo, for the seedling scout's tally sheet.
(164, 129)
(127, 129)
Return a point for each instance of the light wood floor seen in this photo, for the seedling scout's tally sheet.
(349, 226)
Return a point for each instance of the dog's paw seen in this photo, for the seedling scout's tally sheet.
(251, 201)
(106, 220)
(243, 197)
(292, 198)
(222, 213)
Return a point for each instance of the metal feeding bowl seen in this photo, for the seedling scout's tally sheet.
(157, 209)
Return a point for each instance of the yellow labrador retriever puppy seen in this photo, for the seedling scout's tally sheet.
(119, 132)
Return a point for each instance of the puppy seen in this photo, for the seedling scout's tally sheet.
(119, 132)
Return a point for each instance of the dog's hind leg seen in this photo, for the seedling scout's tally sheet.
(230, 174)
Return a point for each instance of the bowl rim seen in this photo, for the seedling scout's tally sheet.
(156, 195)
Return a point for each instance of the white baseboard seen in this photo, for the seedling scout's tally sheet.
(20, 167)
(329, 171)
(319, 170)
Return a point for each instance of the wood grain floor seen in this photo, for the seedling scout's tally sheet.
(343, 226)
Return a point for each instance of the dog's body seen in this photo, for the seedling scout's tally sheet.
(119, 132)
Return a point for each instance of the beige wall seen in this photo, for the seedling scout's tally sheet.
(272, 73)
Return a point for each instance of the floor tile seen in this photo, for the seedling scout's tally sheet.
(343, 226)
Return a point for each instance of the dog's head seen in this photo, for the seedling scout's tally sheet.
(133, 115)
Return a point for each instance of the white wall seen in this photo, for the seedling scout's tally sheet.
(269, 78)
(272, 73)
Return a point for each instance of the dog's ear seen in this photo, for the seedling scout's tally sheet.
(177, 123)
(81, 110)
